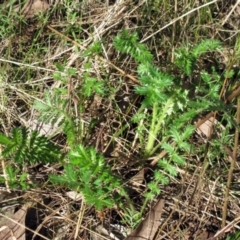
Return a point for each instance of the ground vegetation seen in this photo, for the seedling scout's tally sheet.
(119, 119)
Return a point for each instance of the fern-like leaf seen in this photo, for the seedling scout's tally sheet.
(52, 111)
(186, 57)
(29, 148)
(205, 46)
(129, 43)
(87, 172)
(5, 140)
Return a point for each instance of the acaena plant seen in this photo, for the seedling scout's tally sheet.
(22, 149)
(25, 147)
(85, 171)
(164, 98)
(168, 109)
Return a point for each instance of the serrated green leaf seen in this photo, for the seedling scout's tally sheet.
(184, 146)
(188, 131)
(62, 180)
(149, 195)
(5, 140)
(176, 135)
(178, 159)
(168, 148)
(153, 187)
(59, 66)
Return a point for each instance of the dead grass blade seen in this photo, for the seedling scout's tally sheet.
(227, 228)
(230, 172)
(103, 59)
(232, 10)
(179, 18)
(148, 228)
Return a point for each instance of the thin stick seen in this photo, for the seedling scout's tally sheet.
(4, 171)
(178, 18)
(227, 17)
(27, 65)
(230, 172)
(80, 218)
(103, 59)
(226, 228)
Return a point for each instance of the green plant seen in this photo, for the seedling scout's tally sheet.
(55, 108)
(235, 236)
(53, 111)
(163, 122)
(7, 25)
(167, 103)
(28, 148)
(91, 85)
(131, 217)
(24, 149)
(16, 178)
(164, 118)
(85, 171)
(186, 57)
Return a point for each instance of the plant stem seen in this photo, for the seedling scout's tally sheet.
(156, 124)
(151, 136)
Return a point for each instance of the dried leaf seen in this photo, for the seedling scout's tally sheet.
(74, 195)
(32, 8)
(137, 180)
(102, 232)
(206, 127)
(14, 228)
(46, 129)
(205, 235)
(147, 229)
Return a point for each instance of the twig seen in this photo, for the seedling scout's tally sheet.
(27, 65)
(230, 172)
(178, 18)
(4, 171)
(226, 228)
(80, 218)
(101, 58)
(225, 20)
